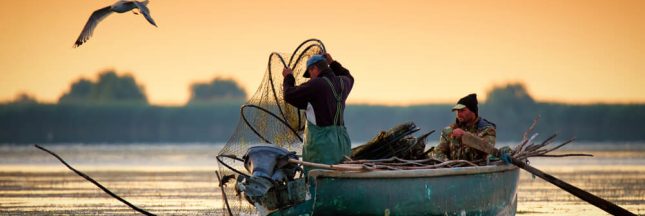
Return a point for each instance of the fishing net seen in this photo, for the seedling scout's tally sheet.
(267, 119)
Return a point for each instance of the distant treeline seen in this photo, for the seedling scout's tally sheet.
(584, 122)
(33, 123)
(115, 109)
(118, 123)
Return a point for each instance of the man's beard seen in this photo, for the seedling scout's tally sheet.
(462, 124)
(459, 124)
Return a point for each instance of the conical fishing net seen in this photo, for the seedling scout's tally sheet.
(266, 118)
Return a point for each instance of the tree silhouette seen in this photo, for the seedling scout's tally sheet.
(512, 93)
(109, 89)
(23, 99)
(218, 90)
(512, 108)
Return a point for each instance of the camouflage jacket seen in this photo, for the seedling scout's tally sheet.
(451, 149)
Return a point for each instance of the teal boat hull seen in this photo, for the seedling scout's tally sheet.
(486, 190)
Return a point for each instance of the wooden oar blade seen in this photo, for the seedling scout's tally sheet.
(477, 143)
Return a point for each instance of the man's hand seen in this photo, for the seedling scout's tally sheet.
(286, 71)
(328, 58)
(457, 133)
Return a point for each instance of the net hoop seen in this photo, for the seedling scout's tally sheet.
(282, 118)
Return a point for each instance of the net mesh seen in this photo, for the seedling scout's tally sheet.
(267, 118)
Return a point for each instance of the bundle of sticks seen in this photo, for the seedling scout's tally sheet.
(395, 142)
(395, 163)
(525, 149)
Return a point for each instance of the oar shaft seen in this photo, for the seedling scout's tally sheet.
(584, 195)
(479, 144)
(88, 178)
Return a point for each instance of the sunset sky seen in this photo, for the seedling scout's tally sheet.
(400, 52)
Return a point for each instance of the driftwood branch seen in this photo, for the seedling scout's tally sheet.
(382, 164)
(527, 148)
(566, 155)
(525, 136)
(557, 147)
(392, 159)
(345, 167)
(96, 183)
(544, 143)
(404, 167)
(444, 164)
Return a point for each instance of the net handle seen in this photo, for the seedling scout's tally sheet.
(305, 51)
(273, 86)
(270, 113)
(320, 44)
(219, 159)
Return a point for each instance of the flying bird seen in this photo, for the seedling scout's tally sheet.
(121, 6)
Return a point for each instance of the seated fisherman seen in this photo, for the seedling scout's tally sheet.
(467, 121)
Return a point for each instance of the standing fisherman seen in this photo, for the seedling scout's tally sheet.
(323, 97)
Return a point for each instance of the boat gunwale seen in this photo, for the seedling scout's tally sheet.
(420, 173)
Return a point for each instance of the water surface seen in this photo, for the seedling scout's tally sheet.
(180, 179)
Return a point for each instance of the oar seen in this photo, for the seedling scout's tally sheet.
(477, 143)
(96, 183)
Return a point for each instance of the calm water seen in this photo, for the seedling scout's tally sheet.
(180, 179)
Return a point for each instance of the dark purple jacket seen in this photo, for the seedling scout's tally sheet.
(319, 94)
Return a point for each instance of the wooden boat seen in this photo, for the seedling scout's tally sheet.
(483, 190)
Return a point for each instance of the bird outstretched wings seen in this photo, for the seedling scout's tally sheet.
(120, 6)
(94, 20)
(144, 10)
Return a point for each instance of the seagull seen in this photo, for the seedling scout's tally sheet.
(121, 6)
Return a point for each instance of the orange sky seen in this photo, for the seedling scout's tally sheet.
(401, 52)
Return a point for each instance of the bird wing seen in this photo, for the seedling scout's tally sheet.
(144, 10)
(94, 20)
